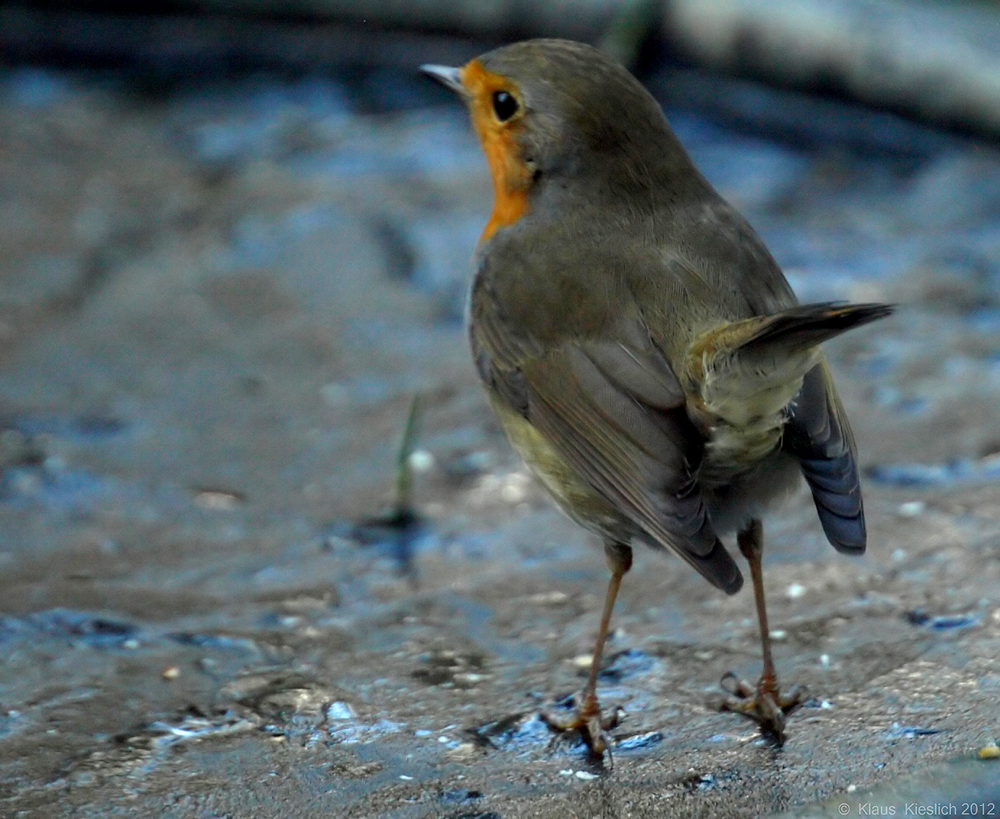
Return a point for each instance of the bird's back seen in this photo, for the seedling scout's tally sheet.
(615, 323)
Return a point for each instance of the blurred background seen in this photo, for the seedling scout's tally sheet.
(234, 246)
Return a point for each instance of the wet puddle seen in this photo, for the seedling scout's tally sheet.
(219, 303)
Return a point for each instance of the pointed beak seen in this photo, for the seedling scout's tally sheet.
(447, 76)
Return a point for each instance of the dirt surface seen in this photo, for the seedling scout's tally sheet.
(216, 305)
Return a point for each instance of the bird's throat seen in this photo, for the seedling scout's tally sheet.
(510, 193)
(511, 175)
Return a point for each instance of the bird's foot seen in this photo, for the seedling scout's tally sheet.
(589, 723)
(763, 703)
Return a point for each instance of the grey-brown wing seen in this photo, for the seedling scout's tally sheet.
(819, 436)
(616, 415)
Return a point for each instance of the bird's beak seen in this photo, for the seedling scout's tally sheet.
(447, 76)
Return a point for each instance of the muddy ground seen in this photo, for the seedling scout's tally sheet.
(218, 300)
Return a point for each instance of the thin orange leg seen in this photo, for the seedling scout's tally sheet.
(588, 720)
(764, 703)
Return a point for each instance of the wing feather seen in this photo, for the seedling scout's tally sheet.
(819, 436)
(616, 415)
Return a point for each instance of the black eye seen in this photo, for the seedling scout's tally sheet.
(504, 105)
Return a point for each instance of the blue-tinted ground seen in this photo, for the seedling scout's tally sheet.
(216, 305)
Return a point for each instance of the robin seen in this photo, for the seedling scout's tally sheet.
(639, 345)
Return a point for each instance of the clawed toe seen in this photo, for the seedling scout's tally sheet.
(763, 703)
(590, 724)
(736, 686)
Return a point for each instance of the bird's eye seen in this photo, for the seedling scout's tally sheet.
(504, 105)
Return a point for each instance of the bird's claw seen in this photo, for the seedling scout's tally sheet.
(590, 724)
(763, 703)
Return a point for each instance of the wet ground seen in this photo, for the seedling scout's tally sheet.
(217, 304)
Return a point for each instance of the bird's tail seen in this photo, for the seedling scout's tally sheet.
(742, 377)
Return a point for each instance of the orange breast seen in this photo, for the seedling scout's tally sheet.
(511, 176)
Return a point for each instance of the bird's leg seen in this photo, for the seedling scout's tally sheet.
(764, 704)
(588, 720)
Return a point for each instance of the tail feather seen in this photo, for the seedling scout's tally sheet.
(806, 326)
(747, 371)
(761, 383)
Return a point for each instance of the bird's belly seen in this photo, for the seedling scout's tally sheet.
(738, 492)
(574, 496)
(734, 490)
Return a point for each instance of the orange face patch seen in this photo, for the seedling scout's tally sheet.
(511, 176)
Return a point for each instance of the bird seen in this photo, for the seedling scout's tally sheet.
(641, 348)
